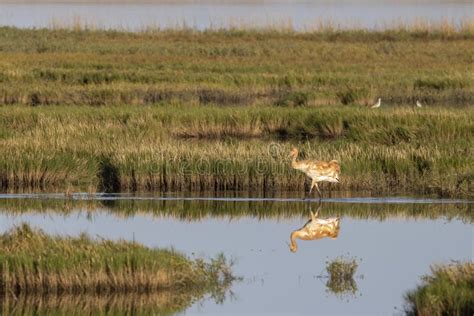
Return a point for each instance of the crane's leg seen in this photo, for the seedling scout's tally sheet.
(307, 195)
(320, 204)
(317, 188)
(314, 184)
(310, 190)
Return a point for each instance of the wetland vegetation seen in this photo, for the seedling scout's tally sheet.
(448, 290)
(33, 262)
(220, 109)
(341, 273)
(238, 66)
(198, 149)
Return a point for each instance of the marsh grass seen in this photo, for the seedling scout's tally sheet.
(33, 262)
(238, 66)
(170, 148)
(164, 110)
(448, 290)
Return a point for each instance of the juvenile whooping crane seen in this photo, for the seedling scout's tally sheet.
(377, 105)
(315, 228)
(418, 104)
(317, 170)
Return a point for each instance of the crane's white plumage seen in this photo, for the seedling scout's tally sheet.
(317, 170)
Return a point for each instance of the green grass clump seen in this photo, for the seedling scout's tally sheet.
(32, 262)
(341, 272)
(449, 290)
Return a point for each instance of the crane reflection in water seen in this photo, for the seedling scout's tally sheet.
(315, 228)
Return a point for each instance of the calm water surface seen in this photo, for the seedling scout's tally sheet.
(396, 244)
(204, 14)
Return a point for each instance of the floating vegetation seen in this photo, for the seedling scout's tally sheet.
(33, 262)
(341, 272)
(448, 290)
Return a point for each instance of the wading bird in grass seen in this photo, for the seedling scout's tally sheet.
(418, 104)
(315, 228)
(377, 105)
(317, 170)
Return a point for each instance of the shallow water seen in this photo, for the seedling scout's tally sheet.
(396, 243)
(300, 15)
(337, 197)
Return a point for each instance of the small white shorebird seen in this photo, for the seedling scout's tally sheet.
(377, 105)
(418, 104)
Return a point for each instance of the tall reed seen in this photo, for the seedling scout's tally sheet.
(169, 148)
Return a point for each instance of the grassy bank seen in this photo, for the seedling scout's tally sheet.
(34, 263)
(168, 147)
(449, 290)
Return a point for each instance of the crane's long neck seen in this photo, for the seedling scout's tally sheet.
(293, 244)
(294, 163)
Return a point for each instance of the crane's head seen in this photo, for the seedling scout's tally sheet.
(294, 152)
(293, 246)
